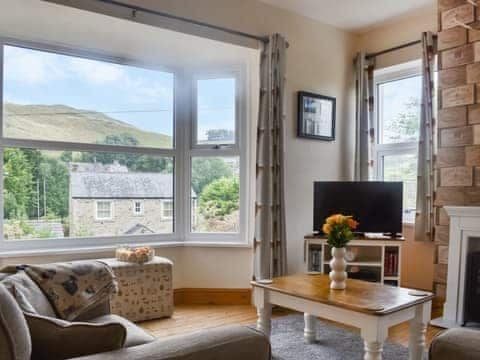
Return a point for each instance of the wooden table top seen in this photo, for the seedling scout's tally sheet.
(384, 238)
(359, 296)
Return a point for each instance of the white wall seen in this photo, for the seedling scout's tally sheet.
(396, 33)
(319, 60)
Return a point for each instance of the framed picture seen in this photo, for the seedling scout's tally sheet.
(316, 116)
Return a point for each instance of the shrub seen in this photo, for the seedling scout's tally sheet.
(219, 198)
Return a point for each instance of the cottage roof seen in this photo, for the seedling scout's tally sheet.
(119, 185)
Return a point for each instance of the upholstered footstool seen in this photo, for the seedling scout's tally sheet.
(144, 291)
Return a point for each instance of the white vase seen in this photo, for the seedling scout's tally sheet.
(338, 267)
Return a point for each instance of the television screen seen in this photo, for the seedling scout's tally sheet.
(377, 206)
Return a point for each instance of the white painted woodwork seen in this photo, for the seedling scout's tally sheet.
(310, 330)
(464, 229)
(382, 243)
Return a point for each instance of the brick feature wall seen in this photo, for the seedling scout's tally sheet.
(457, 162)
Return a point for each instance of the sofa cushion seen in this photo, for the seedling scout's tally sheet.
(222, 343)
(135, 334)
(458, 343)
(55, 339)
(28, 295)
(15, 343)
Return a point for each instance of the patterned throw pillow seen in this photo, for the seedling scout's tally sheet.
(74, 287)
(55, 339)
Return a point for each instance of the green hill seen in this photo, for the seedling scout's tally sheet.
(63, 123)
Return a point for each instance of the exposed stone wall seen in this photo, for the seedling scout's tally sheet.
(458, 158)
(84, 223)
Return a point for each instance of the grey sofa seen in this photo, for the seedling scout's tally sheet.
(227, 342)
(458, 344)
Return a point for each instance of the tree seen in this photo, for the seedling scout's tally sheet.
(219, 198)
(55, 175)
(134, 162)
(122, 139)
(405, 125)
(147, 163)
(66, 156)
(17, 170)
(207, 169)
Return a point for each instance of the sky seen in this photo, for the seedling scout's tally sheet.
(398, 93)
(140, 97)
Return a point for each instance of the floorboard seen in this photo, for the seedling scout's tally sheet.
(188, 318)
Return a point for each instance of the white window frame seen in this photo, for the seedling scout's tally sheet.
(239, 149)
(110, 203)
(181, 154)
(382, 76)
(135, 202)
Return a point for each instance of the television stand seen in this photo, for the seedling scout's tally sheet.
(371, 259)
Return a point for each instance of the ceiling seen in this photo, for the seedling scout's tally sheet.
(352, 15)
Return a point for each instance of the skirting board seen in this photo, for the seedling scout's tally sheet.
(197, 296)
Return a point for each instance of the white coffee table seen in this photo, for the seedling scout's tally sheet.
(372, 307)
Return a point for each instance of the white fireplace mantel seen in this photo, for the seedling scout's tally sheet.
(464, 228)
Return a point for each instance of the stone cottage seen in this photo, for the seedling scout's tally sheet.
(108, 200)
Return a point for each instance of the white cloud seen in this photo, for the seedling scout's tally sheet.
(143, 91)
(31, 67)
(96, 72)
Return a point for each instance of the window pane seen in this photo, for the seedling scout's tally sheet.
(104, 210)
(216, 111)
(403, 168)
(63, 194)
(138, 207)
(55, 97)
(167, 209)
(399, 110)
(215, 194)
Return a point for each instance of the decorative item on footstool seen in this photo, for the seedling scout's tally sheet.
(139, 255)
(339, 231)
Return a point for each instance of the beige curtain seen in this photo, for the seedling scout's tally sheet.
(424, 222)
(364, 121)
(270, 238)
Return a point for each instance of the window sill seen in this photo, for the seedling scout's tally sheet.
(112, 248)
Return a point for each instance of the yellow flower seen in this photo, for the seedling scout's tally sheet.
(335, 219)
(327, 228)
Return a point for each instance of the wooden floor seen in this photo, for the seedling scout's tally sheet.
(188, 318)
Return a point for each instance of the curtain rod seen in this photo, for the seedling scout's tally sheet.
(395, 48)
(399, 47)
(135, 9)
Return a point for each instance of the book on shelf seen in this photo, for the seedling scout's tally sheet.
(391, 264)
(316, 259)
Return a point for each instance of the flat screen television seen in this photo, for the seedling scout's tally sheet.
(378, 206)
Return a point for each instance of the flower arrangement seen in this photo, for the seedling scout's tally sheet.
(338, 229)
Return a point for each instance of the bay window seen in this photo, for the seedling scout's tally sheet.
(82, 132)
